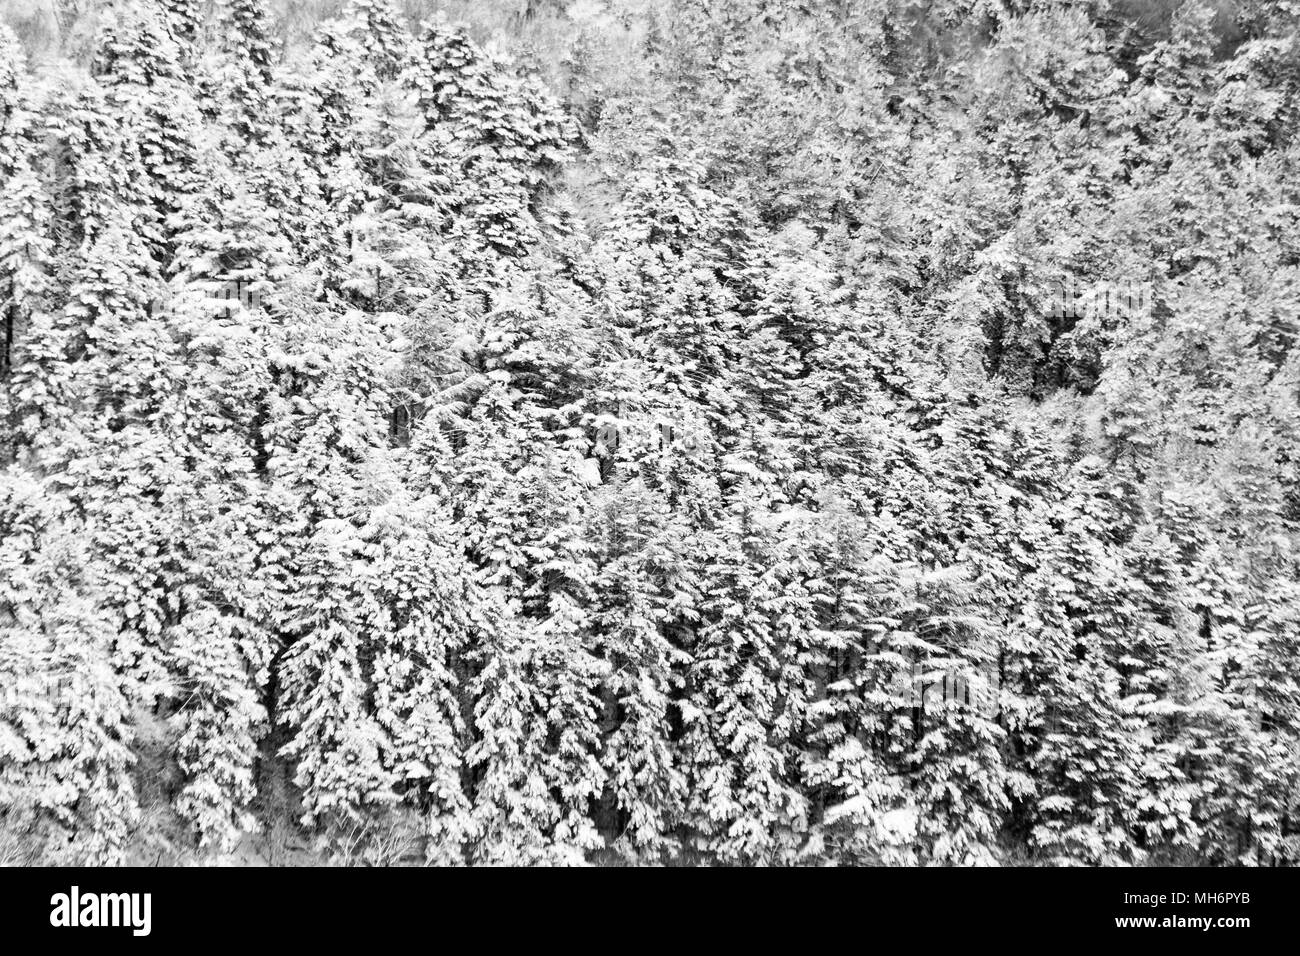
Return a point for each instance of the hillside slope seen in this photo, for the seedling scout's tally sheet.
(752, 431)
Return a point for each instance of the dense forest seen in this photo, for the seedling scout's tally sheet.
(650, 431)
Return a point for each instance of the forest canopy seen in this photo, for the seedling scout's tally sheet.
(647, 431)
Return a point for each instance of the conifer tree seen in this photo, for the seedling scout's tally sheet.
(66, 726)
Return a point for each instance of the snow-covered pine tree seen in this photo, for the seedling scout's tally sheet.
(25, 220)
(66, 725)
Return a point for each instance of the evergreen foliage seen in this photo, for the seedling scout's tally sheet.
(710, 460)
